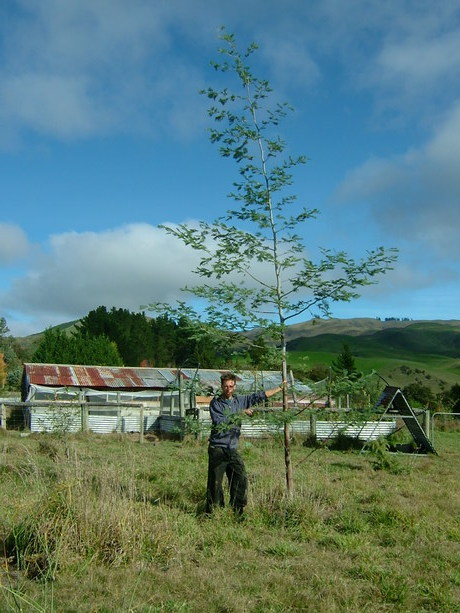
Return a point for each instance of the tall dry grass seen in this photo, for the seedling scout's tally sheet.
(102, 523)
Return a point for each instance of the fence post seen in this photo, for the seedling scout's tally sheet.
(84, 417)
(313, 426)
(3, 415)
(141, 424)
(426, 422)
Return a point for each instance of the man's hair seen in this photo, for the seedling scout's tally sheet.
(228, 376)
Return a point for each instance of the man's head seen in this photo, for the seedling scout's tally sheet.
(227, 383)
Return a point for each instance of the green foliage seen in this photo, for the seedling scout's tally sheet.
(263, 355)
(452, 398)
(131, 332)
(382, 460)
(418, 394)
(318, 372)
(11, 356)
(4, 330)
(360, 390)
(246, 131)
(13, 378)
(162, 341)
(344, 364)
(57, 347)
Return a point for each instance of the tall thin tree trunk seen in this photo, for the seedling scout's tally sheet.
(287, 427)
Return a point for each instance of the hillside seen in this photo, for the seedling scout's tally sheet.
(415, 338)
(357, 326)
(403, 352)
(28, 344)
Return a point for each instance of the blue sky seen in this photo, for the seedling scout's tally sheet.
(103, 137)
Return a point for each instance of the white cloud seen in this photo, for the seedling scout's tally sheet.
(421, 60)
(290, 61)
(415, 195)
(14, 244)
(77, 69)
(58, 105)
(125, 267)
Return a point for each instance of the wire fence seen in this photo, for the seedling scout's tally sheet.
(64, 416)
(67, 416)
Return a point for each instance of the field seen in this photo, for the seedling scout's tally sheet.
(438, 373)
(403, 352)
(102, 523)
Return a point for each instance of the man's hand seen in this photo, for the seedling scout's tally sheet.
(248, 412)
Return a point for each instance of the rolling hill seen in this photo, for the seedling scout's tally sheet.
(403, 351)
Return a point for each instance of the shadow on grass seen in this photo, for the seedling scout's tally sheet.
(347, 465)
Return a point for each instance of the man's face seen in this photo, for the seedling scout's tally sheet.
(228, 388)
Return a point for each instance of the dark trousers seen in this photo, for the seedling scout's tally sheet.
(222, 461)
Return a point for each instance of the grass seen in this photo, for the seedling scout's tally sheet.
(429, 350)
(102, 523)
(437, 372)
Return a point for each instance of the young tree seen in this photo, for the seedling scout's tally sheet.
(254, 253)
(3, 371)
(345, 363)
(11, 356)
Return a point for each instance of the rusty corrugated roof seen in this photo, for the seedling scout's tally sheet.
(58, 375)
(127, 377)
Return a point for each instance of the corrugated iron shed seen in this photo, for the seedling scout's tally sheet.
(140, 378)
(96, 377)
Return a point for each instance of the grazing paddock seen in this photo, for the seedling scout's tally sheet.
(101, 523)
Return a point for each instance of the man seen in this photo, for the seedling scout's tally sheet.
(226, 412)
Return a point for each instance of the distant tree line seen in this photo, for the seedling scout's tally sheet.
(118, 337)
(394, 319)
(59, 347)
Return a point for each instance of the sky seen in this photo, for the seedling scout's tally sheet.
(104, 137)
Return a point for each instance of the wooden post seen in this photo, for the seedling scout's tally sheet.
(141, 424)
(84, 417)
(3, 416)
(426, 423)
(313, 426)
(181, 398)
(83, 412)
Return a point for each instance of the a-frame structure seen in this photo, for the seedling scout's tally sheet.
(394, 402)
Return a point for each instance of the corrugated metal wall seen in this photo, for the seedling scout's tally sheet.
(106, 420)
(368, 430)
(43, 420)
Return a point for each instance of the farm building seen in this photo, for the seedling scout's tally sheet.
(107, 399)
(112, 396)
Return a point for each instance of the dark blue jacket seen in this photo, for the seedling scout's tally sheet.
(225, 430)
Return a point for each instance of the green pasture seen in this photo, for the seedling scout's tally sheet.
(101, 523)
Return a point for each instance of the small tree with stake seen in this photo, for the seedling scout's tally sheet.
(254, 255)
